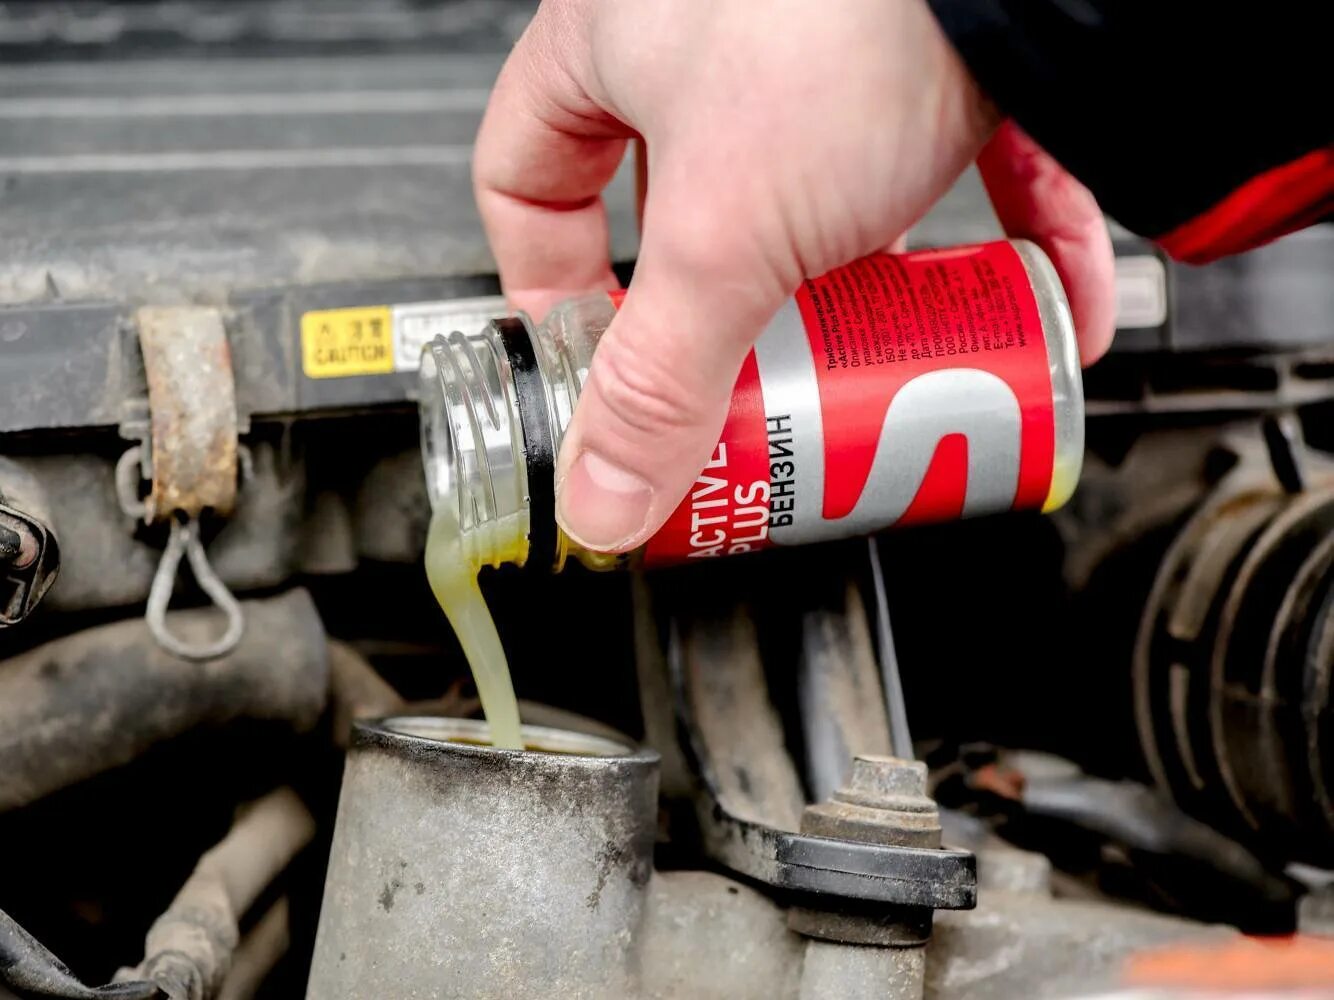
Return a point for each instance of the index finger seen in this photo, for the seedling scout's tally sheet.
(1036, 199)
(544, 153)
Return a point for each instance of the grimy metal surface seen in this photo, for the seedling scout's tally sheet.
(272, 27)
(84, 703)
(884, 801)
(462, 870)
(157, 175)
(843, 708)
(749, 800)
(270, 157)
(191, 409)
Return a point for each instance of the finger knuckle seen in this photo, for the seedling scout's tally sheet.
(643, 392)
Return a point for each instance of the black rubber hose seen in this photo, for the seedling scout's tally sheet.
(91, 701)
(26, 965)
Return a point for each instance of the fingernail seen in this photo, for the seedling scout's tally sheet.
(600, 505)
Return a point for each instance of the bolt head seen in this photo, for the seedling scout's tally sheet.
(888, 777)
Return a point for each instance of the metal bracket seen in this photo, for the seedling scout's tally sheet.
(189, 455)
(192, 411)
(741, 796)
(935, 878)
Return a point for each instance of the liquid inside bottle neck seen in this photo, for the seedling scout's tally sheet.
(494, 408)
(472, 445)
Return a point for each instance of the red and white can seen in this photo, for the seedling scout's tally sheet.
(900, 389)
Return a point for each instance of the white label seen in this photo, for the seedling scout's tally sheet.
(1141, 293)
(415, 325)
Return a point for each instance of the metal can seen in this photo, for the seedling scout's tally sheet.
(899, 389)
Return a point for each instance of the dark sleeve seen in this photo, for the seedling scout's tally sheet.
(1208, 127)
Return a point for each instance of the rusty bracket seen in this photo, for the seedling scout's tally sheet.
(189, 455)
(192, 411)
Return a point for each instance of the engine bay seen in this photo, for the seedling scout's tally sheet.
(1018, 756)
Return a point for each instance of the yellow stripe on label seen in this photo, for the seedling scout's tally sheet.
(337, 343)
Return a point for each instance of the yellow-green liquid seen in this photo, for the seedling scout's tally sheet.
(453, 578)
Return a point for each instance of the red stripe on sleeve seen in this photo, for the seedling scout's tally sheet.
(1266, 207)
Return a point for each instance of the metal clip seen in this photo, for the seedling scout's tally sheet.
(190, 455)
(184, 538)
(129, 472)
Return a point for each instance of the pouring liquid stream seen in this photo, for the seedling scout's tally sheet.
(453, 579)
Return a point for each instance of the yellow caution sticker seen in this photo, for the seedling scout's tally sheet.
(337, 343)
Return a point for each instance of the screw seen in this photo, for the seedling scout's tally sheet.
(883, 802)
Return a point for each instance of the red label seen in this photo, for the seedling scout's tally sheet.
(726, 511)
(882, 322)
(916, 389)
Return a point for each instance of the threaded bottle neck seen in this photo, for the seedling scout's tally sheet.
(494, 407)
(472, 444)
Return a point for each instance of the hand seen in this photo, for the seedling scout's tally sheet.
(784, 138)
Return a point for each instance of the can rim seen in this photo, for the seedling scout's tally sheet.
(446, 735)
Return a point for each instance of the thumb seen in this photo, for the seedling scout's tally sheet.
(657, 392)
